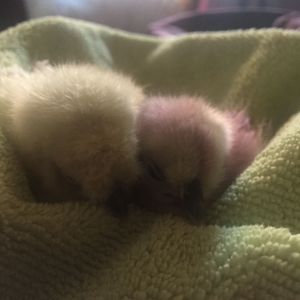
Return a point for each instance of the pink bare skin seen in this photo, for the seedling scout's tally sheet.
(190, 152)
(247, 143)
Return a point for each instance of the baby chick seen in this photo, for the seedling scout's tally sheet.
(74, 129)
(191, 152)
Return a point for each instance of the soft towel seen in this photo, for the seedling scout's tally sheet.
(249, 246)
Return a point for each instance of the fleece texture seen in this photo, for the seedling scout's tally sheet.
(248, 246)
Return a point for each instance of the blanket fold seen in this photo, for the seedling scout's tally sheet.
(249, 245)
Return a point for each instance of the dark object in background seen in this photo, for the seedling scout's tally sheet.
(245, 3)
(288, 21)
(11, 13)
(216, 20)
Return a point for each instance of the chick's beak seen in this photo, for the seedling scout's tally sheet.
(192, 200)
(193, 209)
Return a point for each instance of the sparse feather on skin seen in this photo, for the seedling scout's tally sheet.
(74, 128)
(197, 150)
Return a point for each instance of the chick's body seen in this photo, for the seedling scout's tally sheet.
(188, 149)
(73, 127)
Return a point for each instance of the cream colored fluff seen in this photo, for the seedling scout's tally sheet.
(73, 126)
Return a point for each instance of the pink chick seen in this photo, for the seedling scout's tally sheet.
(190, 152)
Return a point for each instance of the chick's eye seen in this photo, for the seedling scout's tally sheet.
(71, 180)
(155, 172)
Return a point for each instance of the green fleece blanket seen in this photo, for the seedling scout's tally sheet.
(249, 247)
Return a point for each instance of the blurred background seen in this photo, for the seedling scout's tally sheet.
(160, 17)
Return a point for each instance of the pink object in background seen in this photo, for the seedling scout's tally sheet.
(203, 5)
(288, 21)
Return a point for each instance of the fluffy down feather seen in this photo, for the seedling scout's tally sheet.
(74, 129)
(191, 152)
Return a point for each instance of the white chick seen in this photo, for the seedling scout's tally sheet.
(73, 127)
